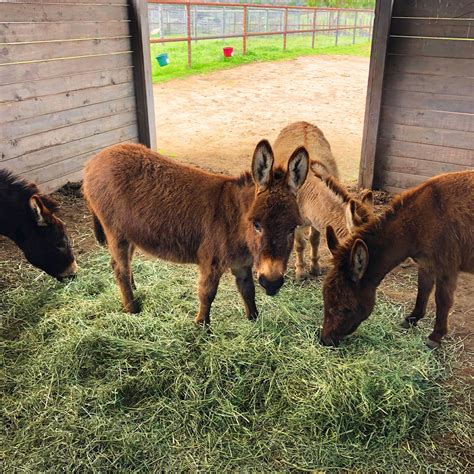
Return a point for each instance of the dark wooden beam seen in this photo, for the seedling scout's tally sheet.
(142, 72)
(383, 16)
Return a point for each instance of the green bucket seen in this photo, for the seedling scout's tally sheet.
(163, 59)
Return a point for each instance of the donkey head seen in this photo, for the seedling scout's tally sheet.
(42, 238)
(274, 213)
(348, 297)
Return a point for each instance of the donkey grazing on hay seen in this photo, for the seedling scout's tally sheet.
(432, 223)
(139, 198)
(322, 199)
(27, 217)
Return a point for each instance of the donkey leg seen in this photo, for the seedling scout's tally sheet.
(300, 244)
(444, 297)
(314, 237)
(121, 264)
(131, 251)
(246, 287)
(209, 277)
(425, 286)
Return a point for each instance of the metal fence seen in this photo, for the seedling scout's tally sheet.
(182, 20)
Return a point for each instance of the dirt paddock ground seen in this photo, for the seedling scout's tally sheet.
(215, 120)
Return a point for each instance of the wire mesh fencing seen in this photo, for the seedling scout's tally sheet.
(181, 20)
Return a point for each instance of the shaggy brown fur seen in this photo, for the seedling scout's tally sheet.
(433, 224)
(322, 199)
(182, 214)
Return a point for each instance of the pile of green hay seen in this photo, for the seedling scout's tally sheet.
(89, 387)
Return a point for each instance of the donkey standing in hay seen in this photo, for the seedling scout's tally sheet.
(432, 223)
(139, 198)
(28, 219)
(322, 199)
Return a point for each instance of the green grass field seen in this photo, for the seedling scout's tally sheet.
(208, 56)
(89, 388)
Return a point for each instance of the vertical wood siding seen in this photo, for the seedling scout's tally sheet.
(426, 119)
(67, 85)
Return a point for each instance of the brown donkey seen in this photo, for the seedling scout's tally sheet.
(175, 212)
(432, 223)
(322, 199)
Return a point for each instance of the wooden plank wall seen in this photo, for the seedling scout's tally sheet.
(427, 109)
(67, 85)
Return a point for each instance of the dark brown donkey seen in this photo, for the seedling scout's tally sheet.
(28, 218)
(432, 223)
(175, 212)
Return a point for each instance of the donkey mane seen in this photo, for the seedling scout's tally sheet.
(245, 179)
(23, 189)
(336, 188)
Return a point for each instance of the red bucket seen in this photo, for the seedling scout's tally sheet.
(228, 52)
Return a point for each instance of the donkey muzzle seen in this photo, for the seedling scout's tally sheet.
(69, 273)
(271, 286)
(329, 341)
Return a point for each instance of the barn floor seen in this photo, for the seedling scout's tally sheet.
(398, 287)
(215, 120)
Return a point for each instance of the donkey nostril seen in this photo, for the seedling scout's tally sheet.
(271, 286)
(328, 341)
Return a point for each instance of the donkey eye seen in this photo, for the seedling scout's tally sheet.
(291, 230)
(257, 226)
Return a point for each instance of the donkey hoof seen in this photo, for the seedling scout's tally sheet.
(133, 307)
(252, 317)
(408, 323)
(201, 322)
(315, 271)
(432, 344)
(300, 276)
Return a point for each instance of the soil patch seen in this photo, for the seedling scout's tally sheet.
(215, 120)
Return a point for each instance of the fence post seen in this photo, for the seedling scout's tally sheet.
(244, 41)
(266, 21)
(371, 29)
(355, 29)
(337, 27)
(223, 23)
(314, 28)
(285, 28)
(188, 27)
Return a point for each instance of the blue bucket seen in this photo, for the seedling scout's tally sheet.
(163, 59)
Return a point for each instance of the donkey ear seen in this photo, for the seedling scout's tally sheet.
(331, 239)
(262, 163)
(298, 166)
(40, 213)
(319, 169)
(352, 218)
(367, 197)
(355, 215)
(359, 259)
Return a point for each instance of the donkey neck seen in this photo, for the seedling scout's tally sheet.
(13, 196)
(390, 239)
(237, 199)
(321, 207)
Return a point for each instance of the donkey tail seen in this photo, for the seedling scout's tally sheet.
(99, 231)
